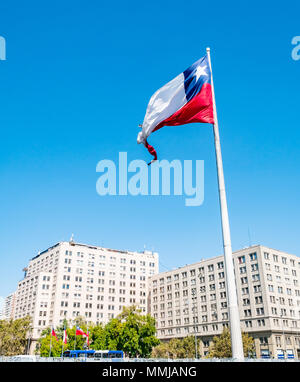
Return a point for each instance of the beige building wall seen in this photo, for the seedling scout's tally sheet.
(72, 279)
(9, 307)
(191, 300)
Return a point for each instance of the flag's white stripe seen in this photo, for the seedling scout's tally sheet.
(164, 102)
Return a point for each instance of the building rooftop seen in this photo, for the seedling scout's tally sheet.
(252, 247)
(73, 243)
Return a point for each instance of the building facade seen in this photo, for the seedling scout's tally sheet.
(9, 307)
(71, 279)
(192, 300)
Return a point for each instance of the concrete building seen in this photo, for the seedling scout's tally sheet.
(71, 279)
(9, 307)
(191, 300)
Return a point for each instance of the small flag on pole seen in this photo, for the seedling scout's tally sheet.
(185, 99)
(54, 334)
(65, 336)
(88, 338)
(79, 332)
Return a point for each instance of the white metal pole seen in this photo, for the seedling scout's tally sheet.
(234, 317)
(50, 341)
(62, 345)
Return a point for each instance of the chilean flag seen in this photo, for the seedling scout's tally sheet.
(79, 332)
(65, 336)
(54, 334)
(185, 99)
(88, 338)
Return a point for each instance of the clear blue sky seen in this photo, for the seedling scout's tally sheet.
(74, 87)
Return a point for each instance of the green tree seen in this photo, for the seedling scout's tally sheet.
(130, 331)
(75, 342)
(176, 348)
(113, 330)
(161, 351)
(43, 344)
(14, 336)
(57, 346)
(185, 348)
(81, 322)
(248, 345)
(221, 346)
(60, 329)
(147, 336)
(98, 337)
(137, 333)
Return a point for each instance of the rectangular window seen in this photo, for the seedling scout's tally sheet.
(253, 256)
(241, 259)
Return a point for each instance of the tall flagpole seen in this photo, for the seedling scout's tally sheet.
(50, 341)
(234, 317)
(62, 346)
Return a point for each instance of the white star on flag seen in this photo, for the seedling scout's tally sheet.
(200, 71)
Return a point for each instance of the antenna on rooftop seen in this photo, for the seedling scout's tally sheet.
(72, 239)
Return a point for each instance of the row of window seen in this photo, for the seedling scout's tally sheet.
(252, 257)
(111, 258)
(191, 272)
(192, 330)
(215, 327)
(187, 320)
(284, 259)
(277, 269)
(280, 290)
(220, 265)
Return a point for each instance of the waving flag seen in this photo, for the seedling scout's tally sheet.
(185, 99)
(65, 336)
(79, 332)
(54, 334)
(88, 338)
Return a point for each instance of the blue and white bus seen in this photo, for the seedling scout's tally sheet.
(104, 354)
(95, 354)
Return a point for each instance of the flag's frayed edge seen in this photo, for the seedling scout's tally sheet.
(151, 151)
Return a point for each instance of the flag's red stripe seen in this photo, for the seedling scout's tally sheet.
(198, 109)
(79, 332)
(152, 151)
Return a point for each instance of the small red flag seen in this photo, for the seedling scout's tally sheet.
(65, 338)
(54, 334)
(79, 332)
(88, 338)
